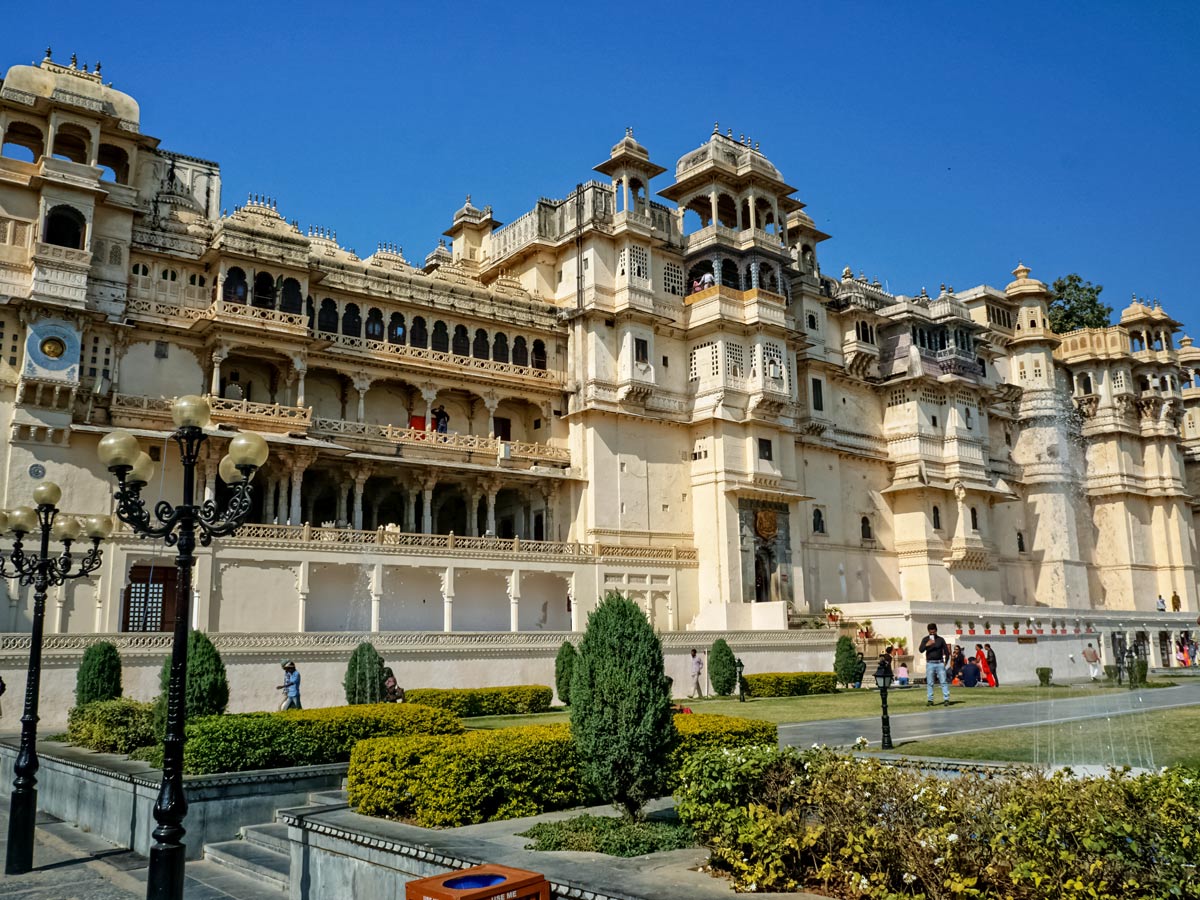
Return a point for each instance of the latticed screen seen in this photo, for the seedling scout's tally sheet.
(145, 607)
(149, 600)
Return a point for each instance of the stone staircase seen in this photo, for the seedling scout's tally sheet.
(262, 853)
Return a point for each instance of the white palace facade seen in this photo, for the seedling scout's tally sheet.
(671, 396)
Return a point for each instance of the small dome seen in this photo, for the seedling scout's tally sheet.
(44, 80)
(725, 150)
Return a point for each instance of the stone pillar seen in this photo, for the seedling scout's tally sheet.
(427, 511)
(448, 599)
(218, 357)
(491, 403)
(268, 499)
(473, 513)
(362, 384)
(429, 395)
(302, 594)
(360, 482)
(60, 599)
(342, 515)
(716, 263)
(754, 273)
(210, 478)
(514, 600)
(376, 594)
(753, 211)
(573, 605)
(491, 510)
(712, 204)
(410, 510)
(301, 371)
(281, 505)
(299, 464)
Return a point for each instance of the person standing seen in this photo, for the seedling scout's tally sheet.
(1092, 657)
(990, 655)
(985, 670)
(1176, 603)
(697, 667)
(1160, 604)
(933, 645)
(290, 687)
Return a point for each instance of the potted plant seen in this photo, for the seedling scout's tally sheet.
(833, 614)
(1077, 626)
(1003, 628)
(970, 628)
(866, 627)
(1089, 628)
(987, 627)
(1016, 627)
(1029, 626)
(958, 626)
(1038, 627)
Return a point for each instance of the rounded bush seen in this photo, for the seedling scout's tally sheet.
(365, 676)
(1044, 673)
(621, 717)
(206, 685)
(99, 676)
(722, 668)
(111, 726)
(564, 666)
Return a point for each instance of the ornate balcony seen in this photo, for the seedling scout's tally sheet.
(416, 443)
(226, 313)
(133, 411)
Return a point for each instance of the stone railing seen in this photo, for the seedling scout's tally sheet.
(238, 412)
(449, 442)
(145, 306)
(383, 540)
(67, 255)
(224, 310)
(439, 357)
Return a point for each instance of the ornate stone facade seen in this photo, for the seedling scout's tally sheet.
(668, 398)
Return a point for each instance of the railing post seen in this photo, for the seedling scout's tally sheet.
(379, 535)
(516, 544)
(306, 532)
(450, 541)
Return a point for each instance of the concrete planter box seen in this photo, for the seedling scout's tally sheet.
(113, 797)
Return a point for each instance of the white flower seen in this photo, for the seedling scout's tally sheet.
(867, 795)
(909, 878)
(951, 838)
(863, 884)
(939, 860)
(941, 808)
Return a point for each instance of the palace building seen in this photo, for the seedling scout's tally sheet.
(666, 391)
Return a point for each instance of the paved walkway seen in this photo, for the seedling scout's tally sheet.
(961, 717)
(70, 864)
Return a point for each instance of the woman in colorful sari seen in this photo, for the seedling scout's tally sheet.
(981, 660)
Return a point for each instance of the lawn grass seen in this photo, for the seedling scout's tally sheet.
(1156, 738)
(820, 707)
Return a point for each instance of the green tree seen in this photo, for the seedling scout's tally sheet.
(206, 685)
(1075, 303)
(621, 718)
(722, 668)
(99, 676)
(564, 667)
(365, 675)
(845, 661)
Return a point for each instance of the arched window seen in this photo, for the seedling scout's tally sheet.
(65, 227)
(937, 519)
(812, 322)
(539, 354)
(116, 161)
(730, 276)
(500, 347)
(23, 141)
(818, 522)
(462, 341)
(440, 340)
(264, 291)
(480, 347)
(1020, 542)
(974, 519)
(520, 352)
(374, 329)
(72, 143)
(291, 300)
(419, 336)
(327, 319)
(235, 286)
(311, 311)
(865, 527)
(396, 333)
(352, 321)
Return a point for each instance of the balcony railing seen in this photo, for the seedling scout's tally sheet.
(241, 313)
(130, 409)
(438, 357)
(450, 443)
(384, 540)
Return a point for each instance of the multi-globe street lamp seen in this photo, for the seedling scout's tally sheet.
(177, 526)
(42, 570)
(883, 679)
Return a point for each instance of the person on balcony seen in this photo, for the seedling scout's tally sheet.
(441, 420)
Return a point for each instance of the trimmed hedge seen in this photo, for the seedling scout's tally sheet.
(235, 743)
(482, 776)
(791, 684)
(112, 726)
(494, 701)
(475, 777)
(99, 676)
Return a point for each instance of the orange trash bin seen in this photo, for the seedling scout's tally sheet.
(480, 883)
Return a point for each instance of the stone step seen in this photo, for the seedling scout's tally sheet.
(268, 867)
(270, 837)
(214, 881)
(328, 798)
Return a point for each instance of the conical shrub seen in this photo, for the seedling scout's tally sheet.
(722, 668)
(621, 718)
(845, 661)
(206, 684)
(99, 676)
(365, 675)
(564, 667)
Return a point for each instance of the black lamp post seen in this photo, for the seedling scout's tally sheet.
(40, 570)
(741, 690)
(177, 526)
(1131, 666)
(883, 678)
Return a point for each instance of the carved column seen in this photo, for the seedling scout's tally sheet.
(717, 265)
(573, 605)
(343, 487)
(427, 511)
(754, 273)
(300, 367)
(473, 512)
(302, 594)
(492, 491)
(514, 599)
(281, 505)
(218, 356)
(712, 204)
(360, 481)
(300, 462)
(549, 496)
(447, 578)
(362, 384)
(376, 594)
(268, 498)
(428, 394)
(491, 402)
(410, 510)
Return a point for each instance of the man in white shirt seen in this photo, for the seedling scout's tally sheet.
(1092, 658)
(697, 667)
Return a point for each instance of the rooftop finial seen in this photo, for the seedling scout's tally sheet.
(742, 139)
(756, 150)
(628, 131)
(716, 125)
(1021, 271)
(47, 52)
(74, 61)
(97, 67)
(729, 133)
(468, 199)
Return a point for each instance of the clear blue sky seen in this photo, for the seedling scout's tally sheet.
(935, 142)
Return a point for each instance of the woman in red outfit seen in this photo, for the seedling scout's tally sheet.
(981, 661)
